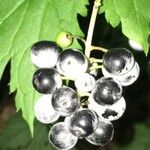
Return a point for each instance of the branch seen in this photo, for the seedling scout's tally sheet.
(97, 3)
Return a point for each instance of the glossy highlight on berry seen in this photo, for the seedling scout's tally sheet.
(107, 91)
(103, 133)
(44, 112)
(126, 79)
(65, 101)
(44, 54)
(83, 123)
(46, 80)
(109, 112)
(85, 82)
(72, 63)
(61, 138)
(118, 61)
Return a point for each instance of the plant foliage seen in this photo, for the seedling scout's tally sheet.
(24, 22)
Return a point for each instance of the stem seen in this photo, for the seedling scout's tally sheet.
(94, 60)
(84, 102)
(79, 38)
(98, 48)
(96, 67)
(83, 93)
(66, 78)
(97, 3)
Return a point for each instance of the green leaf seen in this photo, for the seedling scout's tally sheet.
(16, 134)
(141, 139)
(24, 22)
(40, 139)
(134, 16)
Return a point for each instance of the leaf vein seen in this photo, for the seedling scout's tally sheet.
(137, 17)
(19, 84)
(42, 19)
(9, 14)
(13, 37)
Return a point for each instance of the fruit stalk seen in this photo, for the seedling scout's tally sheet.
(88, 42)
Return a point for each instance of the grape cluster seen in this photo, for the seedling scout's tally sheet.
(89, 106)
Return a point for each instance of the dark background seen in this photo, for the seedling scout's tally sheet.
(137, 114)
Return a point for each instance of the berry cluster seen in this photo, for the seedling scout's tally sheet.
(92, 104)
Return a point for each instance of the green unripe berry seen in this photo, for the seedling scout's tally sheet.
(64, 39)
